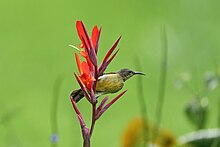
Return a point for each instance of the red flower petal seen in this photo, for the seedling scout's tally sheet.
(86, 56)
(83, 53)
(95, 35)
(80, 29)
(83, 35)
(85, 68)
(78, 63)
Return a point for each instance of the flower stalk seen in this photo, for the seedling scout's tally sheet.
(88, 74)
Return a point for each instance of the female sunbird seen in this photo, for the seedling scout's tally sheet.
(108, 83)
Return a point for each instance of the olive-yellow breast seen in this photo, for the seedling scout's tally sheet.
(109, 83)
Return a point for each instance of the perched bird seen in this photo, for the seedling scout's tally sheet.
(108, 83)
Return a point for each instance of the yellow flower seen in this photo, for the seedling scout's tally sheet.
(133, 135)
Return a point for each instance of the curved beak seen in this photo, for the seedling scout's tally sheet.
(139, 73)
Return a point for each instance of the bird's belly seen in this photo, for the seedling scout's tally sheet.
(110, 83)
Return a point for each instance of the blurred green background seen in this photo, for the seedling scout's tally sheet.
(34, 52)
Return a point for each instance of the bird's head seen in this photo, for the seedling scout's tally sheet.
(127, 73)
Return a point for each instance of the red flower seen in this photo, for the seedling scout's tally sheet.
(91, 48)
(87, 42)
(84, 73)
(86, 56)
(89, 70)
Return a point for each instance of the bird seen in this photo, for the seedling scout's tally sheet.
(108, 83)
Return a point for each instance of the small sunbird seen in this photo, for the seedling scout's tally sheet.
(108, 83)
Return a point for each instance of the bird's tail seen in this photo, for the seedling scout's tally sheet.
(77, 95)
